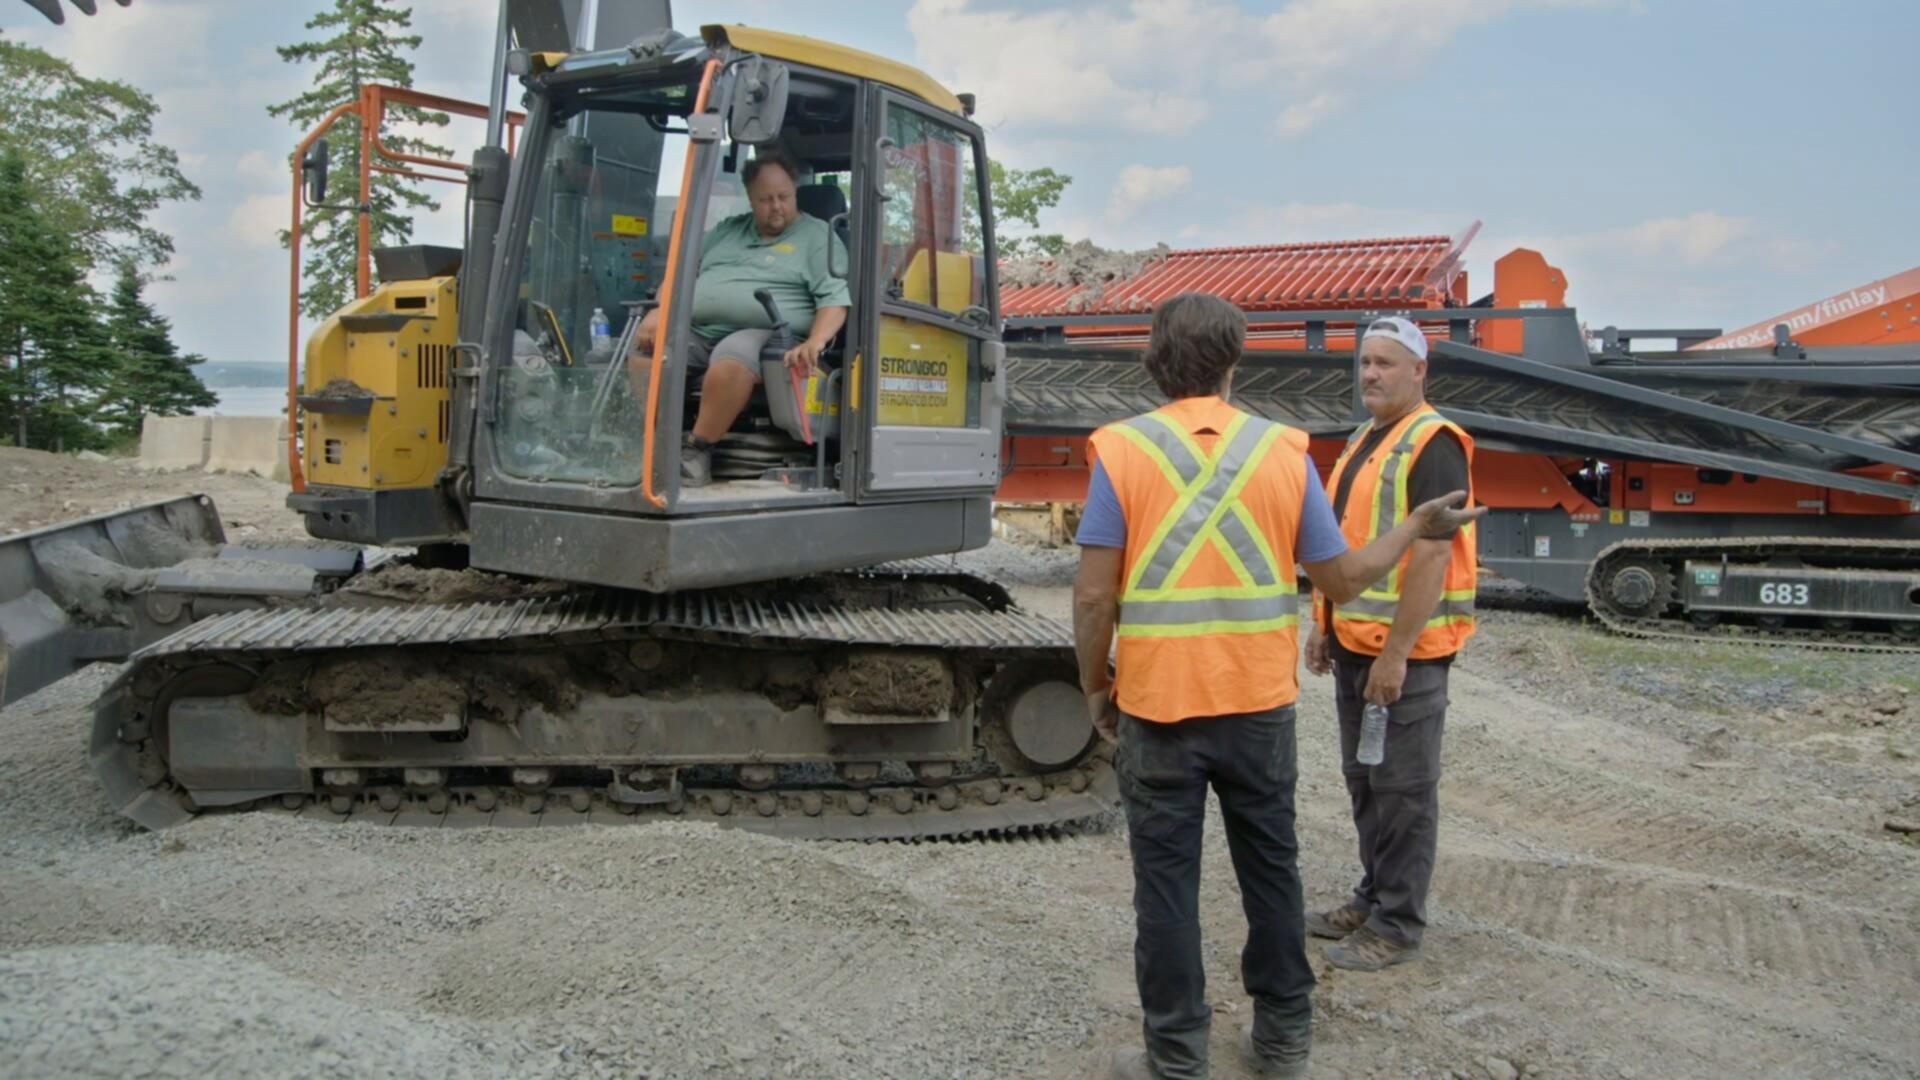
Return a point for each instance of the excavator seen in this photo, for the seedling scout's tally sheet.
(784, 649)
(775, 649)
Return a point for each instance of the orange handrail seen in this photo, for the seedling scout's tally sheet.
(371, 109)
(374, 99)
(297, 468)
(665, 311)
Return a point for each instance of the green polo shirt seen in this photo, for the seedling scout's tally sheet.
(735, 260)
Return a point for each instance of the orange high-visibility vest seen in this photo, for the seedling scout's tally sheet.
(1209, 606)
(1376, 503)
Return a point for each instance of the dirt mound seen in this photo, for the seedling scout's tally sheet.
(39, 489)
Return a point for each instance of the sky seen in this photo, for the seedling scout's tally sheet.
(1687, 163)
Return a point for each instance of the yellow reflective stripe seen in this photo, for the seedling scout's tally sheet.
(1174, 513)
(1400, 473)
(1281, 573)
(1240, 571)
(1210, 528)
(1186, 437)
(1168, 560)
(1455, 605)
(1211, 592)
(1399, 464)
(1387, 620)
(1139, 439)
(1188, 610)
(1197, 629)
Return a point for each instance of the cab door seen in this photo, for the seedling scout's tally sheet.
(933, 385)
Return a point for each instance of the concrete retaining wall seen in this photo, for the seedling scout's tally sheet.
(248, 444)
(174, 442)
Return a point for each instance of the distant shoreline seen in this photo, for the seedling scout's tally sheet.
(247, 401)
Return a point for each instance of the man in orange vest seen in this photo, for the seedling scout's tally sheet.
(1392, 646)
(1197, 514)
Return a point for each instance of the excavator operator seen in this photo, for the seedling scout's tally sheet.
(777, 248)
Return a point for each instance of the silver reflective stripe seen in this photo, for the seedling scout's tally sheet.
(1383, 608)
(1227, 467)
(1243, 544)
(1385, 494)
(1170, 444)
(1188, 612)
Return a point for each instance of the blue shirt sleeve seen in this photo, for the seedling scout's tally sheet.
(1101, 523)
(1319, 538)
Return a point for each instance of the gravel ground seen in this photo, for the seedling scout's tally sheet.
(1655, 862)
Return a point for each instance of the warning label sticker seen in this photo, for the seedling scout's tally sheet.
(911, 381)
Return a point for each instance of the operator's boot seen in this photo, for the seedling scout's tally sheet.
(1284, 1063)
(696, 462)
(1337, 923)
(1133, 1065)
(1364, 950)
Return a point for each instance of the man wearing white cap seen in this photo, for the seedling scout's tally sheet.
(1393, 645)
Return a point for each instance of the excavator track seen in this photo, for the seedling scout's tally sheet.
(1672, 622)
(595, 706)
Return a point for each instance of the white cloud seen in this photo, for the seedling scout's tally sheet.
(1141, 186)
(1695, 239)
(1063, 69)
(255, 221)
(259, 168)
(1299, 117)
(151, 45)
(1154, 67)
(463, 14)
(1692, 240)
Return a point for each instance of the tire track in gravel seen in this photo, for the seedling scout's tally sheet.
(1687, 931)
(1680, 922)
(1503, 780)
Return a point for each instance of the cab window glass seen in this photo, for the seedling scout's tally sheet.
(932, 253)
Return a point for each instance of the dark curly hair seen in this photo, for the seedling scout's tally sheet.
(1196, 340)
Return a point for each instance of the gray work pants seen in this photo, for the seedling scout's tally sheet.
(1164, 770)
(1396, 804)
(741, 345)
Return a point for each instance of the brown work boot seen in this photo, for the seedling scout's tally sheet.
(1337, 923)
(1364, 950)
(1292, 1065)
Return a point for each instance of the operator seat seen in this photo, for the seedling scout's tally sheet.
(824, 201)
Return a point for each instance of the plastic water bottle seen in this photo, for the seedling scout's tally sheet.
(1373, 735)
(599, 330)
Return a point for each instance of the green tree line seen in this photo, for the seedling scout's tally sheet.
(80, 176)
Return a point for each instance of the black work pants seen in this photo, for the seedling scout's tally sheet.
(1396, 804)
(1164, 770)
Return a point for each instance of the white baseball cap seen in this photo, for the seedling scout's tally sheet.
(1395, 328)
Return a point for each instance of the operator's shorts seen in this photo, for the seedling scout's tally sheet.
(741, 345)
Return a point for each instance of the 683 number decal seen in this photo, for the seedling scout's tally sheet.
(1783, 594)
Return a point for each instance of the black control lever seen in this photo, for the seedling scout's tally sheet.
(782, 336)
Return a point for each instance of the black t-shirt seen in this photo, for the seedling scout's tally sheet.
(1440, 468)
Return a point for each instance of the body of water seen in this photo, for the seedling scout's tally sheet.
(247, 401)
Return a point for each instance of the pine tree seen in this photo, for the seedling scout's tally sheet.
(55, 353)
(365, 45)
(93, 168)
(150, 375)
